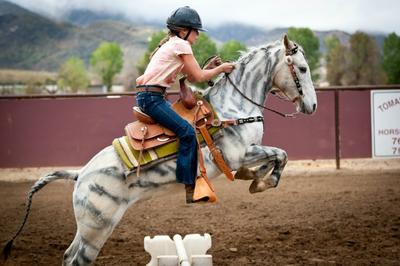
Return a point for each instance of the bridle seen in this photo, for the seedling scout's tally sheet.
(289, 62)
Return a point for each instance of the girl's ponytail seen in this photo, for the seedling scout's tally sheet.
(166, 38)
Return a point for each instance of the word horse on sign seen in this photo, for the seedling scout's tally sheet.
(104, 188)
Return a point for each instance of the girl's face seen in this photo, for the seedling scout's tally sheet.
(194, 35)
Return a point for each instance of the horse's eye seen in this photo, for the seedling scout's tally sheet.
(303, 69)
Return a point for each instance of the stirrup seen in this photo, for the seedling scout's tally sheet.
(203, 192)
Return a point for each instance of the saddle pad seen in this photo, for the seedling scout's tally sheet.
(130, 156)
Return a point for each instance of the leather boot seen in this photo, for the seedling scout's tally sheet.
(189, 193)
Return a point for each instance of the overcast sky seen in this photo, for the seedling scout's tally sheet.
(347, 15)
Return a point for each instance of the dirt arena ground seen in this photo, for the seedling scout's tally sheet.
(317, 216)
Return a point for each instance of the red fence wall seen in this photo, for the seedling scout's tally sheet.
(69, 131)
(313, 137)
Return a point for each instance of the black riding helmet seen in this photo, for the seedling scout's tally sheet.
(184, 17)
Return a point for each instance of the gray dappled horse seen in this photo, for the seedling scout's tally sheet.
(104, 189)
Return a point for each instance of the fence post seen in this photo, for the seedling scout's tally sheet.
(337, 129)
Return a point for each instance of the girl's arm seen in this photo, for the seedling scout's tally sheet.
(196, 74)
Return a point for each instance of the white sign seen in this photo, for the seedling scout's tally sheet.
(385, 123)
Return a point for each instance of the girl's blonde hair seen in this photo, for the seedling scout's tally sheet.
(171, 33)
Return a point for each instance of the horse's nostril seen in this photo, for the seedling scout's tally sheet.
(314, 107)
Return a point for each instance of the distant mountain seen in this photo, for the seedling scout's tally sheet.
(27, 38)
(84, 17)
(250, 35)
(10, 8)
(254, 36)
(34, 42)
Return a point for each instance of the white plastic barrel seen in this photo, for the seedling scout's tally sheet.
(191, 250)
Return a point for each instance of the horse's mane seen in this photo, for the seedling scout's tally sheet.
(252, 50)
(245, 56)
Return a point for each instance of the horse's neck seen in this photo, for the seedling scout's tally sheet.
(253, 76)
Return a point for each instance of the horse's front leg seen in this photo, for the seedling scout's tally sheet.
(269, 158)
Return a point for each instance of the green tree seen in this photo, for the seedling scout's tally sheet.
(310, 43)
(72, 75)
(231, 50)
(335, 60)
(203, 48)
(391, 58)
(107, 61)
(363, 61)
(332, 42)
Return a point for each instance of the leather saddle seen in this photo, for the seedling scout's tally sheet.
(146, 134)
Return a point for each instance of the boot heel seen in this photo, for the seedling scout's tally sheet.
(189, 193)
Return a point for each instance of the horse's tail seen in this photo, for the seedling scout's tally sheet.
(35, 188)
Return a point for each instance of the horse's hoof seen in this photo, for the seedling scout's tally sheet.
(272, 182)
(260, 185)
(257, 186)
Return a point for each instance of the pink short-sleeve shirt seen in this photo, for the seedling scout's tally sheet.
(165, 64)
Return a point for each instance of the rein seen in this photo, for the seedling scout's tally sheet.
(257, 104)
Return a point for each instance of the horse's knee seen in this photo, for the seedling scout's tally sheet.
(282, 157)
(244, 173)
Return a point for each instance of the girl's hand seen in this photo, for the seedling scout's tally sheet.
(214, 62)
(195, 74)
(227, 67)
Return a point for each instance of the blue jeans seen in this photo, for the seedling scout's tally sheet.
(155, 105)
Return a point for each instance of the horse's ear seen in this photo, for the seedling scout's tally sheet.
(286, 42)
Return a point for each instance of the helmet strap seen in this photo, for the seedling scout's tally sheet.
(187, 35)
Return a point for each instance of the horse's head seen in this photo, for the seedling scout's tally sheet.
(293, 78)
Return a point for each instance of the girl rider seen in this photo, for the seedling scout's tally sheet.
(173, 56)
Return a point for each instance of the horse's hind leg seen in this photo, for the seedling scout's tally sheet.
(269, 158)
(90, 237)
(99, 204)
